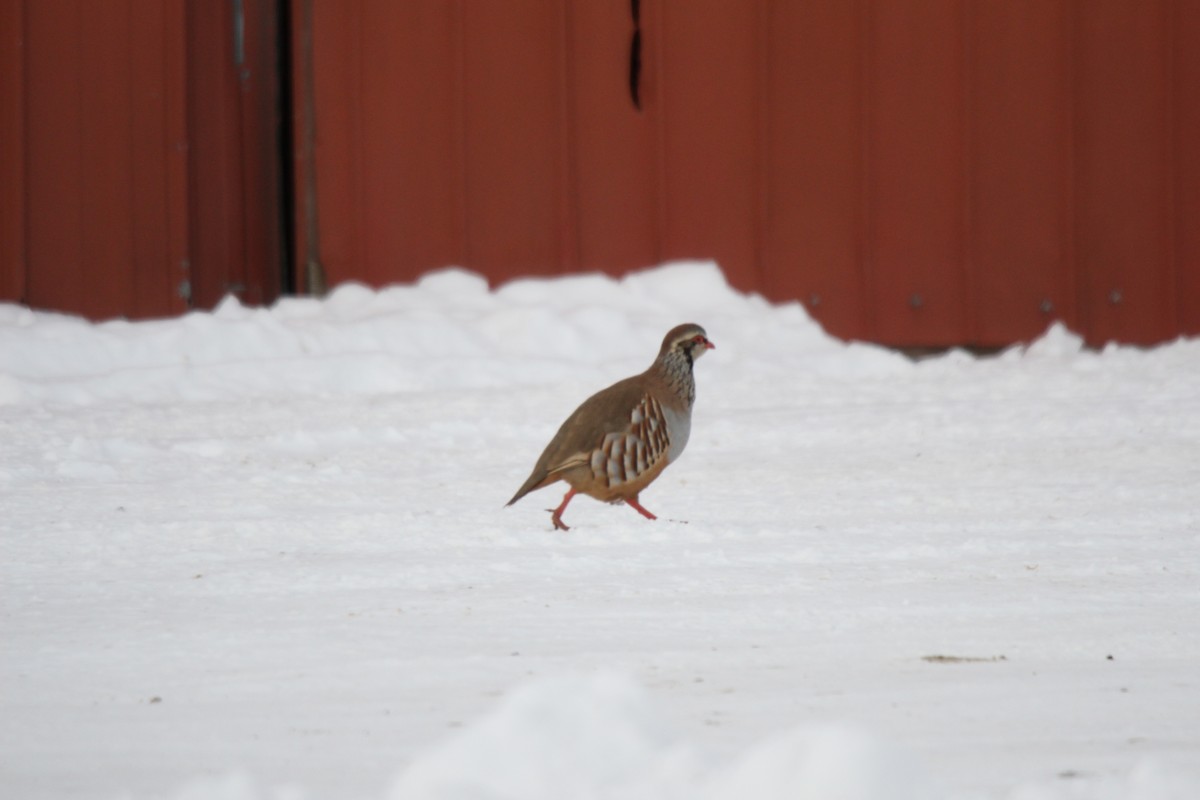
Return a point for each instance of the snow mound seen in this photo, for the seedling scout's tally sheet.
(557, 738)
(1056, 342)
(361, 341)
(600, 737)
(445, 331)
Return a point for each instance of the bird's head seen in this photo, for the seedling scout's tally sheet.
(688, 340)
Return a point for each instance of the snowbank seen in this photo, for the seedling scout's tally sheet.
(446, 331)
(269, 545)
(599, 737)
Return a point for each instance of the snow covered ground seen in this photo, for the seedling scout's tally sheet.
(263, 553)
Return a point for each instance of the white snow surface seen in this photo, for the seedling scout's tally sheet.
(263, 553)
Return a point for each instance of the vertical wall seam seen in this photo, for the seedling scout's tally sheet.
(462, 175)
(21, 132)
(161, 255)
(241, 172)
(358, 118)
(866, 237)
(310, 271)
(179, 241)
(1076, 272)
(969, 319)
(1171, 227)
(134, 273)
(568, 195)
(662, 188)
(762, 170)
(1064, 308)
(168, 74)
(251, 82)
(80, 151)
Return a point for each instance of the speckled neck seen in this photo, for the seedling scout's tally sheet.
(676, 366)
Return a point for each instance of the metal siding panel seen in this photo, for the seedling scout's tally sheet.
(514, 124)
(216, 199)
(337, 90)
(156, 33)
(177, 268)
(105, 274)
(711, 134)
(916, 172)
(12, 150)
(1020, 169)
(410, 195)
(105, 183)
(815, 138)
(838, 145)
(614, 144)
(1123, 186)
(54, 155)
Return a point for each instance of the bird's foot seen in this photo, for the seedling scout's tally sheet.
(633, 503)
(556, 513)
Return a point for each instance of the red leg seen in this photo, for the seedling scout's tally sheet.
(633, 501)
(556, 514)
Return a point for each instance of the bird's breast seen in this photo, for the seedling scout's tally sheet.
(679, 427)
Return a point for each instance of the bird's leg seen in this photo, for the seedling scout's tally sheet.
(556, 514)
(633, 501)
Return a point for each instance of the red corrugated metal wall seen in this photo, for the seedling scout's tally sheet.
(91, 121)
(917, 172)
(139, 169)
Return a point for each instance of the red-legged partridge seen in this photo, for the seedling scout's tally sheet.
(622, 438)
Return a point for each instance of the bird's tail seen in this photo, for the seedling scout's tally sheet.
(536, 481)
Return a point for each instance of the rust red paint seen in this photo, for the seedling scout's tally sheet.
(917, 172)
(101, 135)
(143, 166)
(914, 172)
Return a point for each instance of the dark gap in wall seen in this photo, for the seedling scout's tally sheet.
(284, 147)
